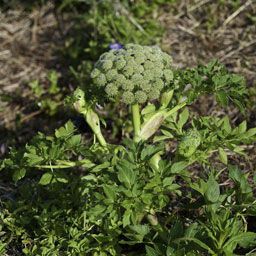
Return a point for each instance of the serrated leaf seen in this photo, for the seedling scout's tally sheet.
(242, 127)
(126, 176)
(212, 192)
(126, 218)
(223, 156)
(33, 159)
(178, 167)
(251, 132)
(110, 192)
(183, 118)
(65, 131)
(141, 229)
(74, 140)
(226, 124)
(245, 240)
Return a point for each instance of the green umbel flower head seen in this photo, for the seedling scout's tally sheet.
(133, 74)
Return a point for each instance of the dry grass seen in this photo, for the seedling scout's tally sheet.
(203, 30)
(28, 42)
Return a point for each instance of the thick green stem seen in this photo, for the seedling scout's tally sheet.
(136, 121)
(93, 121)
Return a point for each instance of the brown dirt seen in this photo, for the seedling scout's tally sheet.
(29, 42)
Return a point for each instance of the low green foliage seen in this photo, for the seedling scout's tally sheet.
(170, 187)
(98, 24)
(49, 97)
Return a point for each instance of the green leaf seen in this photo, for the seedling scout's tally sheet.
(179, 166)
(151, 251)
(198, 242)
(183, 118)
(251, 132)
(65, 131)
(100, 167)
(150, 108)
(19, 174)
(149, 151)
(110, 192)
(222, 98)
(212, 192)
(126, 218)
(33, 159)
(126, 176)
(46, 178)
(223, 156)
(60, 177)
(226, 124)
(245, 240)
(74, 140)
(242, 127)
(142, 230)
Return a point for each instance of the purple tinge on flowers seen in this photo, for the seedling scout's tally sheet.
(115, 46)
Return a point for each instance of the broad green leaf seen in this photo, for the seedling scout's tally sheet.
(179, 166)
(46, 178)
(151, 251)
(226, 124)
(126, 218)
(242, 127)
(33, 159)
(183, 118)
(110, 192)
(126, 176)
(149, 151)
(167, 133)
(251, 132)
(96, 211)
(245, 240)
(197, 241)
(161, 138)
(212, 192)
(74, 140)
(142, 230)
(223, 156)
(222, 98)
(150, 108)
(19, 174)
(100, 167)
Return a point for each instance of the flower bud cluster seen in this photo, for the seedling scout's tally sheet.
(134, 73)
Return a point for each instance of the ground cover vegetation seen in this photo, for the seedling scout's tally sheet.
(138, 164)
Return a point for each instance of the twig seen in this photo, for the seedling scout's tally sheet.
(187, 30)
(242, 47)
(27, 117)
(193, 8)
(123, 11)
(237, 12)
